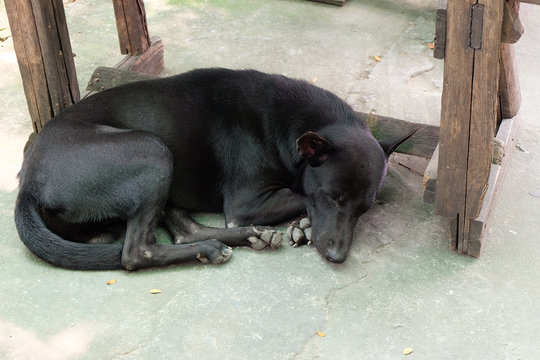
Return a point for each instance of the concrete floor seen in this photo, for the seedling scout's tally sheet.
(401, 286)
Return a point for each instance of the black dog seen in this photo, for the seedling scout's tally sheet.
(262, 148)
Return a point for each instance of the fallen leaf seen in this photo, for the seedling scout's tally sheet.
(377, 58)
(431, 45)
(111, 282)
(155, 291)
(321, 334)
(407, 351)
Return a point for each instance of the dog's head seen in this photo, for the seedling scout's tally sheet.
(344, 174)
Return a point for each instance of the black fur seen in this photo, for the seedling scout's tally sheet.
(262, 148)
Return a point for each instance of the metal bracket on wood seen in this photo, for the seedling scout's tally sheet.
(440, 31)
(477, 23)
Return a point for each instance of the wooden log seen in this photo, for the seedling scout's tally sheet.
(43, 49)
(131, 25)
(421, 144)
(332, 2)
(150, 62)
(510, 93)
(512, 29)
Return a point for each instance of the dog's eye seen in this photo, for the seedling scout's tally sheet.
(334, 195)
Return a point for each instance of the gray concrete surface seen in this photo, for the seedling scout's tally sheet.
(401, 286)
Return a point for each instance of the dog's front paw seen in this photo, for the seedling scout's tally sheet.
(266, 238)
(299, 233)
(213, 252)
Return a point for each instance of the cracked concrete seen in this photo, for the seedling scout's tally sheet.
(401, 285)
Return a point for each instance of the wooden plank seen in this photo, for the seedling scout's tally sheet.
(131, 25)
(150, 62)
(41, 42)
(510, 93)
(505, 135)
(421, 144)
(332, 2)
(455, 112)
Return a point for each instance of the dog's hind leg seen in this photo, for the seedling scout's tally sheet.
(186, 230)
(149, 190)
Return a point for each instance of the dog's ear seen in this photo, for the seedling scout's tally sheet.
(314, 147)
(390, 145)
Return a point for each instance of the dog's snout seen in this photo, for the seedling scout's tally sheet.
(334, 257)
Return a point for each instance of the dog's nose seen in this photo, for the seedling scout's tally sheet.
(334, 257)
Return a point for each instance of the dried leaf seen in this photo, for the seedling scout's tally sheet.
(321, 334)
(155, 291)
(111, 282)
(431, 45)
(407, 351)
(377, 58)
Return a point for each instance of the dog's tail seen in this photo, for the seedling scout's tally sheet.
(55, 250)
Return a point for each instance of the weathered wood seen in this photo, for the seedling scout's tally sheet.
(107, 77)
(41, 42)
(510, 93)
(131, 25)
(455, 112)
(505, 136)
(333, 2)
(484, 108)
(469, 112)
(512, 29)
(150, 62)
(430, 178)
(421, 144)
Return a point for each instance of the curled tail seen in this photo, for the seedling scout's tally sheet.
(55, 250)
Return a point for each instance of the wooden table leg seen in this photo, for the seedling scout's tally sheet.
(469, 112)
(43, 49)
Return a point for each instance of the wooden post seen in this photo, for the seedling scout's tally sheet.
(469, 112)
(43, 49)
(131, 25)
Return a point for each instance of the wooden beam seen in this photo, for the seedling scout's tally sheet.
(421, 144)
(505, 136)
(131, 25)
(455, 112)
(469, 112)
(332, 2)
(43, 49)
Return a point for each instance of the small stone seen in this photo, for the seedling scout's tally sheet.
(307, 233)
